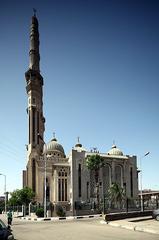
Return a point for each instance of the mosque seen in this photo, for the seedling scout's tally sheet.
(59, 178)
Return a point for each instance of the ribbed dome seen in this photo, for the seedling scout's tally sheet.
(54, 146)
(115, 151)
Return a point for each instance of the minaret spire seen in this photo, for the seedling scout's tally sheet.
(34, 44)
(34, 10)
(34, 89)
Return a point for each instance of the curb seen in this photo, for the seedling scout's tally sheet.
(130, 227)
(60, 218)
(147, 230)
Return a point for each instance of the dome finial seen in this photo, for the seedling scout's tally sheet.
(78, 142)
(54, 138)
(113, 146)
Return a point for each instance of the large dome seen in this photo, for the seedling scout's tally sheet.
(115, 151)
(54, 147)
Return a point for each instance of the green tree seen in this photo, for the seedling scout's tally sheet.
(116, 194)
(21, 197)
(15, 199)
(26, 195)
(94, 163)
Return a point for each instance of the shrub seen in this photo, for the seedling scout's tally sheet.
(40, 212)
(60, 211)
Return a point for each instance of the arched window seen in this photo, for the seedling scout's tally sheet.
(131, 181)
(118, 175)
(106, 178)
(47, 190)
(79, 181)
(62, 185)
(33, 175)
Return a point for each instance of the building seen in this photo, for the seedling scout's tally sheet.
(68, 181)
(149, 194)
(2, 198)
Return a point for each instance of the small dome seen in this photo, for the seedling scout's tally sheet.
(115, 151)
(79, 146)
(54, 146)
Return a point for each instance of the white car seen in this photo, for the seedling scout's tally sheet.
(155, 214)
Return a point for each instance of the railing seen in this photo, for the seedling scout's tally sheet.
(81, 207)
(128, 205)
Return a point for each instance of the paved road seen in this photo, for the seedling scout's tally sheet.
(84, 229)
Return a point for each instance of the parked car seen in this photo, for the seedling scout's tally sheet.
(155, 214)
(5, 232)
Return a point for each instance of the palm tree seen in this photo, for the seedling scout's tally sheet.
(116, 194)
(95, 162)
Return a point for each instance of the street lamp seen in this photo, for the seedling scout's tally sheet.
(44, 150)
(5, 191)
(141, 195)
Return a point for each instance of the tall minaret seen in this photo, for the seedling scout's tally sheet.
(36, 120)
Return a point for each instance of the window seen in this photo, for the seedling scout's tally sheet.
(29, 127)
(131, 181)
(33, 125)
(47, 190)
(33, 175)
(37, 126)
(118, 175)
(79, 180)
(87, 190)
(106, 178)
(33, 100)
(62, 185)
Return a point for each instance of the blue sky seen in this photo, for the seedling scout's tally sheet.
(100, 64)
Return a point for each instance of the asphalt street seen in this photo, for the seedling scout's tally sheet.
(83, 229)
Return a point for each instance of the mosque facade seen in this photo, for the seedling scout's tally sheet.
(66, 180)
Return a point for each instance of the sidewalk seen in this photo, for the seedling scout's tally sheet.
(144, 224)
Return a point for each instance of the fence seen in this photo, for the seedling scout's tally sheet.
(129, 205)
(17, 210)
(82, 208)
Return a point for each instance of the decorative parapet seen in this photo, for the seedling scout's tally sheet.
(52, 159)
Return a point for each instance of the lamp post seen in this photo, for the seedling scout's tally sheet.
(5, 191)
(44, 150)
(141, 195)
